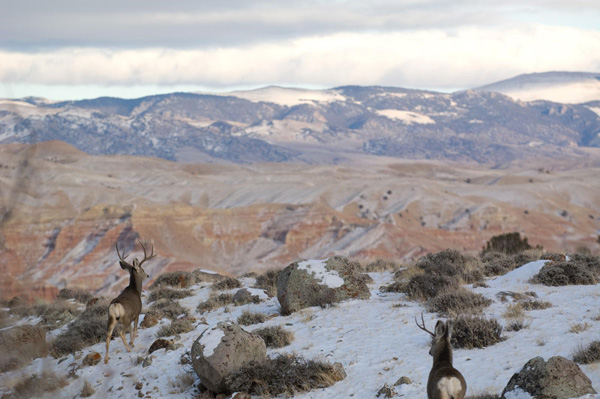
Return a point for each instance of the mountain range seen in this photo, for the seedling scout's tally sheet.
(276, 124)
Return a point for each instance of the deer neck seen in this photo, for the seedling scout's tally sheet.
(135, 282)
(444, 355)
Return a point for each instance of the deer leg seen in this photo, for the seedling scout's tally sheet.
(132, 335)
(135, 327)
(122, 334)
(112, 322)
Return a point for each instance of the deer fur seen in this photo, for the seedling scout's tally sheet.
(125, 309)
(445, 382)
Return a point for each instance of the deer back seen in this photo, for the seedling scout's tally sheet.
(445, 382)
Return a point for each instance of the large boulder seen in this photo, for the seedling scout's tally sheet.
(320, 283)
(221, 351)
(558, 378)
(20, 345)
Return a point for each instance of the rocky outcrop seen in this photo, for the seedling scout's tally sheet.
(558, 378)
(20, 345)
(220, 351)
(320, 283)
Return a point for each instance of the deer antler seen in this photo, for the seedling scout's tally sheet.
(422, 327)
(122, 257)
(146, 257)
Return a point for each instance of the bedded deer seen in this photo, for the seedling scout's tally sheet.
(125, 309)
(445, 382)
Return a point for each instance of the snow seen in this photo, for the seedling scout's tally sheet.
(596, 110)
(376, 341)
(286, 96)
(517, 393)
(318, 269)
(407, 117)
(211, 339)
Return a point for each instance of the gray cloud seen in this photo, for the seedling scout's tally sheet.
(40, 24)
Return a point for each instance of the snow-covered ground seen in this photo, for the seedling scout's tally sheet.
(376, 340)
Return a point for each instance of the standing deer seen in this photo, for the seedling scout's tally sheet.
(445, 382)
(126, 308)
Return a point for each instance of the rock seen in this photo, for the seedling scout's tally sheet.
(320, 283)
(386, 392)
(147, 361)
(91, 359)
(150, 320)
(403, 381)
(558, 378)
(244, 296)
(220, 351)
(20, 345)
(139, 385)
(340, 373)
(160, 344)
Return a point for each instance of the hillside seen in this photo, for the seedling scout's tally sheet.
(334, 126)
(376, 341)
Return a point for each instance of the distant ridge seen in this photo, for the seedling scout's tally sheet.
(560, 87)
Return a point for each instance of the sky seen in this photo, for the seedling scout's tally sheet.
(82, 49)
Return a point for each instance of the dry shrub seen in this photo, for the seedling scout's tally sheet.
(381, 265)
(34, 386)
(175, 279)
(228, 283)
(458, 302)
(78, 294)
(475, 332)
(88, 329)
(268, 281)
(248, 318)
(425, 286)
(284, 375)
(275, 336)
(168, 293)
(215, 302)
(498, 264)
(165, 308)
(579, 327)
(484, 396)
(177, 326)
(587, 354)
(565, 273)
(514, 311)
(509, 243)
(553, 256)
(87, 390)
(53, 314)
(452, 263)
(535, 305)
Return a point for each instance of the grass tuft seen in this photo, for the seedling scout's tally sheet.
(458, 302)
(215, 302)
(248, 318)
(587, 354)
(275, 337)
(228, 283)
(475, 332)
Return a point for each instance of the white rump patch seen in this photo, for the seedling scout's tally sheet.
(330, 278)
(210, 340)
(449, 387)
(116, 310)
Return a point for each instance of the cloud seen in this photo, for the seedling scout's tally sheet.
(434, 58)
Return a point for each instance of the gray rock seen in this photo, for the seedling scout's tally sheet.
(302, 285)
(220, 351)
(558, 378)
(386, 392)
(403, 381)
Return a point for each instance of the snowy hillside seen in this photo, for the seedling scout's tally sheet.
(376, 340)
(558, 87)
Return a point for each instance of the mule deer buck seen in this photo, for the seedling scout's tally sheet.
(445, 382)
(125, 309)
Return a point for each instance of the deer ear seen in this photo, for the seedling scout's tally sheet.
(440, 329)
(125, 265)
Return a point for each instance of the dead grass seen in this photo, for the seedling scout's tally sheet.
(458, 302)
(36, 385)
(426, 286)
(381, 265)
(87, 390)
(498, 263)
(215, 302)
(284, 375)
(475, 332)
(228, 283)
(165, 308)
(275, 336)
(178, 279)
(535, 305)
(79, 294)
(248, 318)
(586, 354)
(88, 329)
(178, 326)
(268, 282)
(53, 314)
(579, 327)
(451, 263)
(168, 293)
